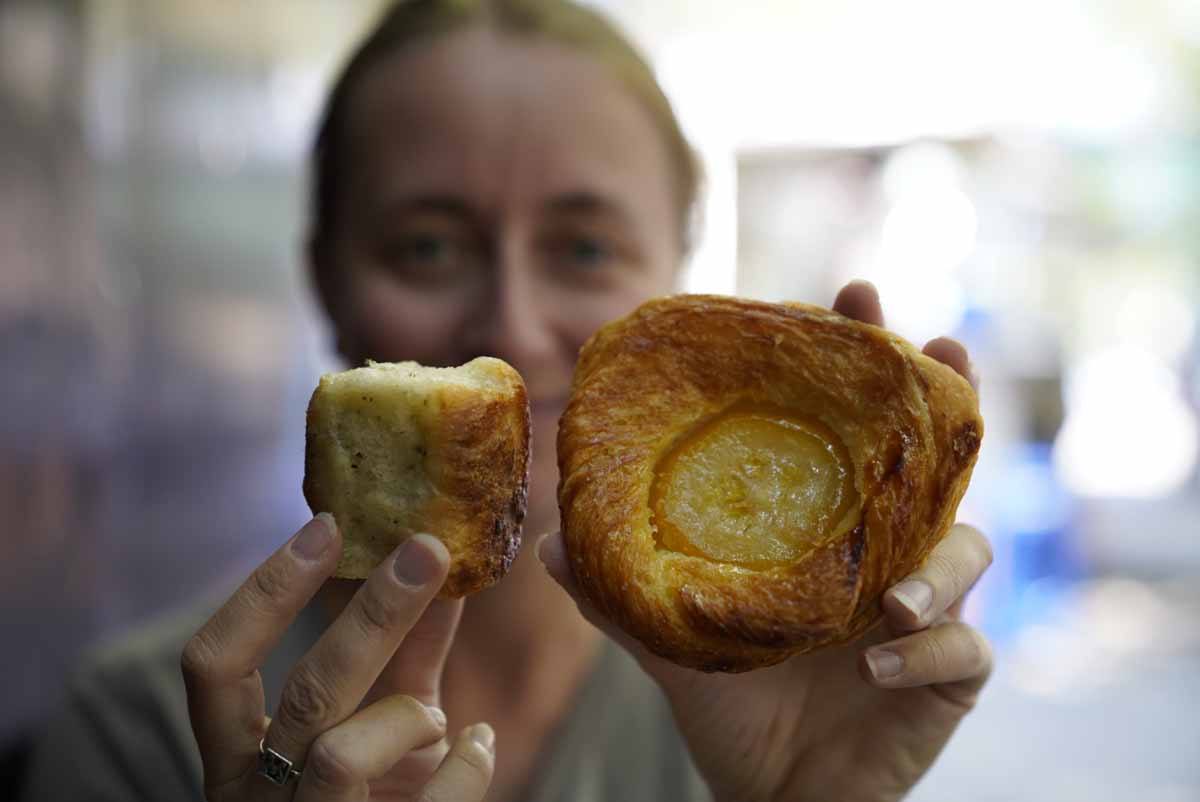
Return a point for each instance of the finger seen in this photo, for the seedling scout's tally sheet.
(953, 654)
(551, 550)
(859, 300)
(329, 682)
(951, 352)
(343, 760)
(466, 773)
(220, 663)
(418, 663)
(951, 569)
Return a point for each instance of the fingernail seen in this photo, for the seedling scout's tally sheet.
(315, 537)
(916, 595)
(437, 714)
(417, 561)
(862, 282)
(483, 735)
(884, 664)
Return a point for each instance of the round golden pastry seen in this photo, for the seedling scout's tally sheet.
(741, 481)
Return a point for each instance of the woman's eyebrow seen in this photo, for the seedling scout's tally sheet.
(588, 204)
(449, 205)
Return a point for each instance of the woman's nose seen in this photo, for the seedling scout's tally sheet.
(513, 323)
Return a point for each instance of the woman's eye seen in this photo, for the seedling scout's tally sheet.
(426, 249)
(587, 252)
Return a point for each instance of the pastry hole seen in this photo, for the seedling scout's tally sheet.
(754, 487)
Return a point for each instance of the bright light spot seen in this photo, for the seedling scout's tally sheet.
(712, 267)
(916, 308)
(929, 234)
(929, 230)
(1185, 19)
(1056, 661)
(1157, 319)
(1128, 431)
(921, 166)
(695, 83)
(1123, 615)
(824, 78)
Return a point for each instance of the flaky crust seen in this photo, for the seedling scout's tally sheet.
(910, 424)
(475, 464)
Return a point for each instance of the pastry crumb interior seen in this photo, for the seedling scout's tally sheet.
(754, 487)
(378, 445)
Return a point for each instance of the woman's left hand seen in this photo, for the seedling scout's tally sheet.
(861, 721)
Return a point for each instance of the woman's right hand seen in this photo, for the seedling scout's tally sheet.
(387, 649)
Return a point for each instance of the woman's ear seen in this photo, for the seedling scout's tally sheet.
(328, 287)
(320, 272)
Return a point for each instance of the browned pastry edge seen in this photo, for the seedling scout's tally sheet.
(910, 424)
(485, 490)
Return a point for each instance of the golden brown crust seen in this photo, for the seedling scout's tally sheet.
(468, 485)
(910, 425)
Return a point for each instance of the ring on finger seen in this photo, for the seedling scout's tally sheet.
(274, 766)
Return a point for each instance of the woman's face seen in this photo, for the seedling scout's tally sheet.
(501, 197)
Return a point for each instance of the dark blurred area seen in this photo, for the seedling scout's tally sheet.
(152, 337)
(1024, 176)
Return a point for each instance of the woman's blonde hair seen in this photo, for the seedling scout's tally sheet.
(411, 22)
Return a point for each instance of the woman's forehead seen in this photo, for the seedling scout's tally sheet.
(501, 120)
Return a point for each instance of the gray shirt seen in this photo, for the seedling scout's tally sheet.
(124, 732)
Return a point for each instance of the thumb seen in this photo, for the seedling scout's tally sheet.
(552, 551)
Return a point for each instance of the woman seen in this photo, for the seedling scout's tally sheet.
(501, 178)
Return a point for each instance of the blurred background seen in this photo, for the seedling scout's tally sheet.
(1024, 175)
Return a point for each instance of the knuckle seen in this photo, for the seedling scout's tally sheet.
(947, 571)
(373, 613)
(307, 702)
(328, 767)
(475, 759)
(983, 547)
(268, 583)
(933, 651)
(199, 660)
(978, 543)
(979, 652)
(410, 707)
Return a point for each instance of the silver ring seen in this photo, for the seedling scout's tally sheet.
(274, 766)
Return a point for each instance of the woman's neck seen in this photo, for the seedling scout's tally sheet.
(521, 654)
(521, 647)
(525, 630)
(519, 658)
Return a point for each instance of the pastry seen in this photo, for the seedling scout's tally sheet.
(741, 481)
(396, 449)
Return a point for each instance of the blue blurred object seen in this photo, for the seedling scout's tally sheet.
(1036, 556)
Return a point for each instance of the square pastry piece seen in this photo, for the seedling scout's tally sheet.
(396, 449)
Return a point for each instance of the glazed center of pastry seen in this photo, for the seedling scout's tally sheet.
(752, 487)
